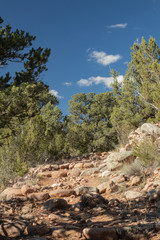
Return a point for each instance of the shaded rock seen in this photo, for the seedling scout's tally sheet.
(41, 196)
(37, 238)
(154, 195)
(69, 234)
(92, 200)
(100, 233)
(61, 193)
(52, 204)
(37, 230)
(26, 209)
(12, 228)
(82, 190)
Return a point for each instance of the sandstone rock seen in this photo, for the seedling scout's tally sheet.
(66, 234)
(116, 159)
(71, 165)
(78, 165)
(28, 216)
(108, 187)
(61, 193)
(46, 174)
(100, 233)
(52, 204)
(26, 209)
(27, 189)
(75, 172)
(135, 180)
(41, 196)
(55, 167)
(131, 194)
(88, 165)
(47, 167)
(10, 193)
(89, 171)
(12, 228)
(82, 190)
(147, 186)
(62, 174)
(64, 166)
(106, 173)
(150, 129)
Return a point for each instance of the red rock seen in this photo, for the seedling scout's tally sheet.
(10, 193)
(27, 189)
(61, 193)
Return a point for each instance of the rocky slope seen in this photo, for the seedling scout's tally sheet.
(85, 198)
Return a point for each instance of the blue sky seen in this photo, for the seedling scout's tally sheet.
(87, 38)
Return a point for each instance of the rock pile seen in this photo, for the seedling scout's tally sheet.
(86, 198)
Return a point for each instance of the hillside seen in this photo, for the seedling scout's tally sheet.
(91, 197)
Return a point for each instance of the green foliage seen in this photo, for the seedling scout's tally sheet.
(138, 96)
(89, 127)
(148, 153)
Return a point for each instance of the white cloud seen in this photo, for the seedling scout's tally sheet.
(67, 84)
(119, 25)
(104, 59)
(98, 80)
(55, 93)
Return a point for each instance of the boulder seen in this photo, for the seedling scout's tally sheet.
(100, 233)
(53, 204)
(150, 129)
(131, 194)
(116, 159)
(61, 193)
(12, 228)
(41, 196)
(93, 200)
(27, 189)
(10, 193)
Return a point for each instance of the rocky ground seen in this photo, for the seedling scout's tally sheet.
(81, 200)
(84, 198)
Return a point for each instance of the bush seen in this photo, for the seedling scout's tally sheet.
(133, 169)
(148, 153)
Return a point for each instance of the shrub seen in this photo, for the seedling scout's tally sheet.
(148, 153)
(132, 169)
